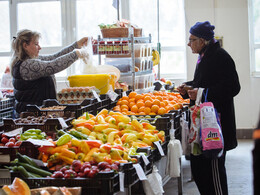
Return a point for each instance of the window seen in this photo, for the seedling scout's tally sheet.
(171, 32)
(254, 24)
(61, 22)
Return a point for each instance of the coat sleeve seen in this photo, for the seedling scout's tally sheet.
(227, 83)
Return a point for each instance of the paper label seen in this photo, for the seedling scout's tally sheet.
(96, 95)
(40, 142)
(63, 123)
(140, 172)
(146, 161)
(124, 93)
(14, 132)
(158, 145)
(121, 181)
(112, 95)
(5, 158)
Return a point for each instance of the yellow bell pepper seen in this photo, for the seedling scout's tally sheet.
(84, 147)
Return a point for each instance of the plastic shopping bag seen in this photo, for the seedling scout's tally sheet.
(153, 184)
(211, 134)
(194, 133)
(185, 136)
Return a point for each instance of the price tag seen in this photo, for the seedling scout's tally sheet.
(96, 95)
(121, 181)
(140, 172)
(112, 95)
(14, 132)
(158, 145)
(40, 142)
(124, 93)
(63, 123)
(146, 161)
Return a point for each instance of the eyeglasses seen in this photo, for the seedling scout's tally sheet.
(192, 40)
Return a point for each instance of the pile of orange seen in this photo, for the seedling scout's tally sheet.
(152, 103)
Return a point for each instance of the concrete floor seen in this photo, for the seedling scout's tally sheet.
(239, 172)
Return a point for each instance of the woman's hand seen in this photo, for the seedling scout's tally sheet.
(193, 93)
(82, 42)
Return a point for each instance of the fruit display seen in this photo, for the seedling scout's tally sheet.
(152, 103)
(36, 120)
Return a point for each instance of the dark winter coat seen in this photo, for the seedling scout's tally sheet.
(217, 72)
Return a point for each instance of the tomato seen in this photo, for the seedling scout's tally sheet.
(10, 144)
(17, 137)
(12, 139)
(3, 135)
(4, 140)
(18, 143)
(1, 144)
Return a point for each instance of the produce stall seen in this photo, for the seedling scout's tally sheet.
(101, 150)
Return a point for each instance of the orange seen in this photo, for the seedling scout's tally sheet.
(18, 187)
(147, 110)
(165, 102)
(161, 111)
(147, 98)
(132, 100)
(140, 104)
(125, 98)
(124, 107)
(131, 104)
(152, 113)
(148, 103)
(132, 94)
(134, 109)
(141, 109)
(124, 110)
(155, 108)
(156, 102)
(169, 107)
(118, 102)
(159, 98)
(141, 113)
(162, 104)
(124, 102)
(138, 97)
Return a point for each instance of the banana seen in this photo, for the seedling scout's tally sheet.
(156, 57)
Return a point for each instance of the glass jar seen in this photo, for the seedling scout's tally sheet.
(125, 47)
(101, 47)
(117, 47)
(109, 47)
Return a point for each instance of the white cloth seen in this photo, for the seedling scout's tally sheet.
(173, 167)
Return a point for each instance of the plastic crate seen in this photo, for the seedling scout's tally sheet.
(6, 104)
(103, 183)
(8, 154)
(50, 126)
(6, 114)
(87, 105)
(131, 176)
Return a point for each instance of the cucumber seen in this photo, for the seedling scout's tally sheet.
(33, 169)
(34, 175)
(26, 159)
(23, 171)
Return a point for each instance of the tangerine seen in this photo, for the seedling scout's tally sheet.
(161, 111)
(162, 104)
(140, 104)
(156, 102)
(132, 100)
(148, 103)
(152, 113)
(125, 98)
(159, 98)
(132, 94)
(141, 113)
(134, 109)
(124, 106)
(131, 104)
(141, 109)
(138, 97)
(124, 102)
(155, 108)
(147, 110)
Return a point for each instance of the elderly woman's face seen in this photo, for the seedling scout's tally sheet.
(196, 44)
(33, 48)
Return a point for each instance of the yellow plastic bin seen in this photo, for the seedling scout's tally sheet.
(100, 81)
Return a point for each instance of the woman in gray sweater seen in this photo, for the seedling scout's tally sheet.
(33, 74)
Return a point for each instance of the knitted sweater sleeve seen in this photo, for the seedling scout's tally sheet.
(33, 69)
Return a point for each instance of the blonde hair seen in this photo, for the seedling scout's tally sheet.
(19, 53)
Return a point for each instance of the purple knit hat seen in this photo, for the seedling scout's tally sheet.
(203, 30)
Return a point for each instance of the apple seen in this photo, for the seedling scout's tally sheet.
(163, 80)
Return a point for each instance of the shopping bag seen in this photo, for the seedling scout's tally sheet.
(194, 132)
(185, 136)
(211, 134)
(153, 185)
